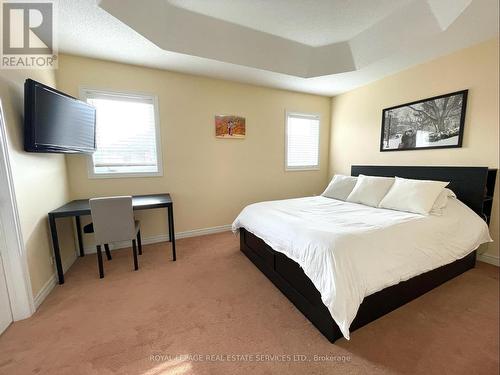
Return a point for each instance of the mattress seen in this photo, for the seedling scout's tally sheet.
(350, 251)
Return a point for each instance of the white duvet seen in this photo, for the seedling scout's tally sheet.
(350, 251)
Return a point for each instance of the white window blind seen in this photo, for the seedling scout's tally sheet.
(302, 141)
(126, 134)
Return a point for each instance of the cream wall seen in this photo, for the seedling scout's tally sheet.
(356, 116)
(210, 179)
(40, 181)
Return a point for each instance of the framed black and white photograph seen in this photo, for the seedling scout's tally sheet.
(436, 122)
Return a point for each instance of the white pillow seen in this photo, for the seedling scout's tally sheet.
(416, 196)
(340, 187)
(442, 201)
(370, 190)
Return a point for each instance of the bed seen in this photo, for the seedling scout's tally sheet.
(354, 294)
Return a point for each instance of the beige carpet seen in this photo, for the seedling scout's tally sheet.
(213, 312)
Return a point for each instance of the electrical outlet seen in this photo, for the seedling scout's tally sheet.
(51, 261)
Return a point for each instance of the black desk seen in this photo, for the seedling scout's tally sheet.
(81, 207)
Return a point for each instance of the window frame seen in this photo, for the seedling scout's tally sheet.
(84, 94)
(308, 115)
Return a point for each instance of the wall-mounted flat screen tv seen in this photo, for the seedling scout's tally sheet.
(56, 122)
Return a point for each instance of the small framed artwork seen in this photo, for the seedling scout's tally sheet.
(229, 127)
(436, 122)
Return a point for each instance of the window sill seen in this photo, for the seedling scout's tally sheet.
(298, 169)
(93, 175)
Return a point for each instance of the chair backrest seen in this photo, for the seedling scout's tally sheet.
(113, 219)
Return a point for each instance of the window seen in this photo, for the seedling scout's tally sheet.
(302, 141)
(127, 135)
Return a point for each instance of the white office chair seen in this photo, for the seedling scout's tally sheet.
(113, 220)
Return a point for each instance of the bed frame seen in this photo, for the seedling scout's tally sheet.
(468, 183)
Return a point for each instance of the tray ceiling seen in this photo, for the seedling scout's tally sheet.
(317, 46)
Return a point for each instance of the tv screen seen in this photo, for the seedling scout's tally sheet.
(56, 122)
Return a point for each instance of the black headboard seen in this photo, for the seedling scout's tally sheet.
(468, 183)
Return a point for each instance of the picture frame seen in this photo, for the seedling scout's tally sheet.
(432, 123)
(230, 127)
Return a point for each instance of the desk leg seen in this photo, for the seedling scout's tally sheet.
(55, 244)
(171, 232)
(79, 235)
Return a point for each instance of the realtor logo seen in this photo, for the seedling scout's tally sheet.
(28, 35)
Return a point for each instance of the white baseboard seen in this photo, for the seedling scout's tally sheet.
(490, 259)
(164, 237)
(203, 231)
(44, 292)
(51, 283)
